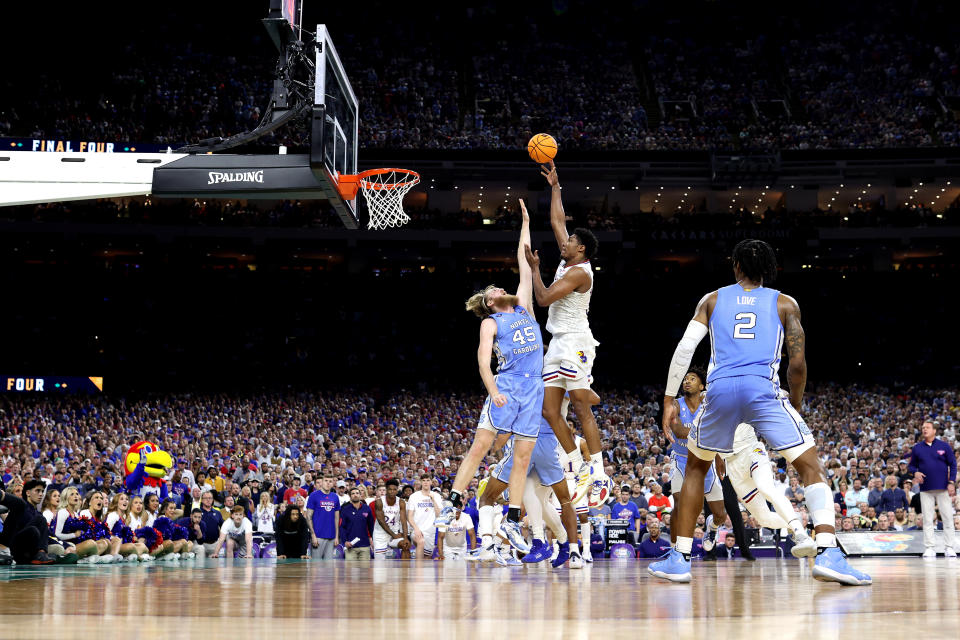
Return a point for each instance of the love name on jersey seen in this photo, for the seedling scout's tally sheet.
(750, 300)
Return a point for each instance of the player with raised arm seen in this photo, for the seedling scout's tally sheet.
(510, 330)
(748, 324)
(569, 360)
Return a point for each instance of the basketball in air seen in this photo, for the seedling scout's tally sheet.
(542, 148)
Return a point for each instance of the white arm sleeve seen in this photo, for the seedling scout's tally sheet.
(695, 332)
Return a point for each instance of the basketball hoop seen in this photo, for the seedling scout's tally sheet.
(383, 191)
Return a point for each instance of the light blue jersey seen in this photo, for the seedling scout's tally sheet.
(743, 385)
(518, 344)
(680, 452)
(686, 419)
(746, 335)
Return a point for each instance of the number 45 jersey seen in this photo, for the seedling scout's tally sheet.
(746, 335)
(518, 344)
(519, 349)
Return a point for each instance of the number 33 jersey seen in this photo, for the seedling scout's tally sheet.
(746, 335)
(518, 344)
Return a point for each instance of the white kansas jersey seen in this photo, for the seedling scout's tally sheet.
(456, 536)
(569, 313)
(391, 514)
(422, 506)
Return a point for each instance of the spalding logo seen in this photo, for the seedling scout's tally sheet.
(217, 177)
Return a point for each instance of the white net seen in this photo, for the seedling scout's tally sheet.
(383, 192)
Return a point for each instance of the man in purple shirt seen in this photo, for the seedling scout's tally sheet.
(322, 514)
(934, 465)
(356, 527)
(655, 545)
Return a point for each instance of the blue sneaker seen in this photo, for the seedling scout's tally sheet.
(510, 531)
(539, 551)
(673, 567)
(446, 515)
(831, 566)
(507, 559)
(562, 556)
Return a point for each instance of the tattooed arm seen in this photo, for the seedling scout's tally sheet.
(796, 348)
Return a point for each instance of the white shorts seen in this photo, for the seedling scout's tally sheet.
(429, 539)
(454, 553)
(568, 362)
(740, 468)
(382, 542)
(713, 494)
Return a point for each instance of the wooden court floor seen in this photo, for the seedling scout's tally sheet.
(262, 599)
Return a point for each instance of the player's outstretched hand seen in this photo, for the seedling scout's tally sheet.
(550, 173)
(499, 399)
(523, 211)
(669, 415)
(533, 257)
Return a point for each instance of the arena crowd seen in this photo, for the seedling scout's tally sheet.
(260, 455)
(595, 76)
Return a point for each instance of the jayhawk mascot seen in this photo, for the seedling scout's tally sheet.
(145, 466)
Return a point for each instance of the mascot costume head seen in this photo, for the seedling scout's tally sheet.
(146, 465)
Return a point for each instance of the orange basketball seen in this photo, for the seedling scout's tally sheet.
(542, 148)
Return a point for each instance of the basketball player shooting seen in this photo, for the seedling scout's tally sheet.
(569, 360)
(748, 323)
(510, 330)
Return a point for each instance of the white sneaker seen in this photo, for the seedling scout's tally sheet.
(132, 558)
(930, 553)
(486, 554)
(588, 557)
(581, 490)
(84, 560)
(146, 557)
(804, 546)
(576, 560)
(949, 552)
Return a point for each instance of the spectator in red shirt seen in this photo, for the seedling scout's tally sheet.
(290, 495)
(658, 502)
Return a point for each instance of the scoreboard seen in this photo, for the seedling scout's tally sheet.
(51, 384)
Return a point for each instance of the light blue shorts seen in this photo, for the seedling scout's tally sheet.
(544, 460)
(524, 409)
(752, 399)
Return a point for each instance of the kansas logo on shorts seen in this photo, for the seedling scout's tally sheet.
(582, 356)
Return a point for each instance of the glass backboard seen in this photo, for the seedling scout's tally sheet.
(333, 92)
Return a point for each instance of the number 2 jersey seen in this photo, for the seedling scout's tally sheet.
(518, 344)
(746, 335)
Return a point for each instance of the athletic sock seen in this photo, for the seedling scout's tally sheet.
(576, 459)
(596, 460)
(513, 514)
(485, 524)
(796, 526)
(456, 499)
(684, 546)
(537, 532)
(585, 534)
(826, 540)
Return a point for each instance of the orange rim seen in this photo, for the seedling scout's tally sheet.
(348, 185)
